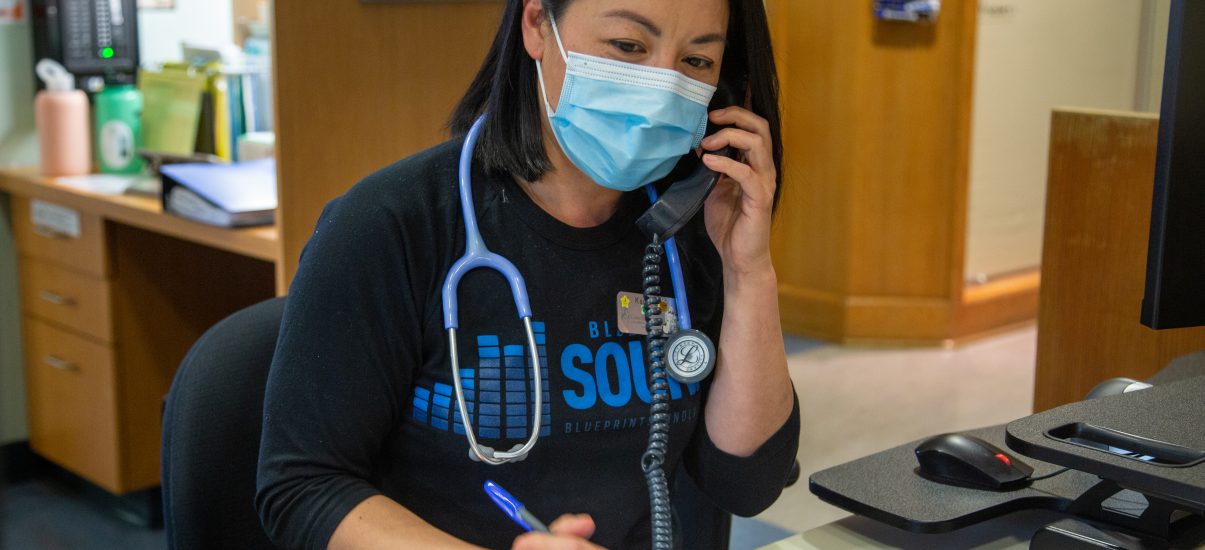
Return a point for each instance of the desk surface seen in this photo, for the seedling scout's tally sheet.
(145, 213)
(1010, 532)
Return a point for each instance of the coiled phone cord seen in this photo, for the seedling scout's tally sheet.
(653, 460)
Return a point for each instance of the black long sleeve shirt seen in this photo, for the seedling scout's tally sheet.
(360, 402)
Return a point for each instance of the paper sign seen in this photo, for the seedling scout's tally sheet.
(52, 217)
(12, 12)
(102, 184)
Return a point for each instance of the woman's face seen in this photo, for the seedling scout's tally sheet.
(683, 35)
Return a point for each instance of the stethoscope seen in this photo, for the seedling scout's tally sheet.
(477, 255)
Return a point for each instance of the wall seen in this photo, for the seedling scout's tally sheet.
(18, 146)
(18, 143)
(1033, 55)
(203, 22)
(1155, 16)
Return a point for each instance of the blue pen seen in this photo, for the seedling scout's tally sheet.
(514, 508)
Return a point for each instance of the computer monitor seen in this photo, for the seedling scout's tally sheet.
(1175, 272)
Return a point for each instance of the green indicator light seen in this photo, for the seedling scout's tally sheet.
(107, 53)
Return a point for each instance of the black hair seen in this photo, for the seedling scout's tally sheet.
(512, 140)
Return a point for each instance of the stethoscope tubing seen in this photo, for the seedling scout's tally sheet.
(476, 256)
(675, 272)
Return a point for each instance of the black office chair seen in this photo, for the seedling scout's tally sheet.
(211, 431)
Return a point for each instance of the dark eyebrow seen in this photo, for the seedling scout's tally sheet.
(638, 19)
(709, 38)
(656, 31)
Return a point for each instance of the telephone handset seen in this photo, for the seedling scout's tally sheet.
(685, 196)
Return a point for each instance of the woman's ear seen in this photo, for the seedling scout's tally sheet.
(533, 28)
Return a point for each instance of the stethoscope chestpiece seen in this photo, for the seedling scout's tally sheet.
(689, 356)
(515, 454)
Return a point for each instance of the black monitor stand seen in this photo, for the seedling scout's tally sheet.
(1147, 446)
(1160, 499)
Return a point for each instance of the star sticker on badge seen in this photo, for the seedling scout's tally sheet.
(625, 302)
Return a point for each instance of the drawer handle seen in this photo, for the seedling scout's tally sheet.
(60, 364)
(43, 231)
(56, 299)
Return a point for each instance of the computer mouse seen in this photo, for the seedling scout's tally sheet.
(1116, 386)
(967, 461)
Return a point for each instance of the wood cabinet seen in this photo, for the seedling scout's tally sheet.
(108, 315)
(73, 300)
(69, 354)
(380, 90)
(1098, 216)
(72, 402)
(870, 235)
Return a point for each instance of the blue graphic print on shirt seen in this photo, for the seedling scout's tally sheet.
(497, 393)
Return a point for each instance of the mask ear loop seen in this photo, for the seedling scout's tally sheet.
(539, 66)
(557, 34)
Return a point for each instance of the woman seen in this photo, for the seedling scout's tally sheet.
(363, 443)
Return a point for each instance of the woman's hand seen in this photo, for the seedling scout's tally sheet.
(568, 532)
(738, 212)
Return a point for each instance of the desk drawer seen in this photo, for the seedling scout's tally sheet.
(85, 253)
(71, 402)
(66, 298)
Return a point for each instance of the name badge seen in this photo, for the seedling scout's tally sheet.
(629, 310)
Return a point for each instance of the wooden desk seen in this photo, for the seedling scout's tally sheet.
(109, 314)
(144, 213)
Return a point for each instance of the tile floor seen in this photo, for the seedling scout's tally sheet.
(857, 401)
(854, 401)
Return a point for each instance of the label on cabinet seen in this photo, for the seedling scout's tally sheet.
(55, 218)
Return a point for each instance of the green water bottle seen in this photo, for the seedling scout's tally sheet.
(118, 129)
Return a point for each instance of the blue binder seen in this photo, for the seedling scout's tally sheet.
(227, 195)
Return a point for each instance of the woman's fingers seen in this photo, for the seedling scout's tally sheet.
(750, 134)
(545, 541)
(577, 525)
(741, 118)
(750, 184)
(568, 532)
(751, 144)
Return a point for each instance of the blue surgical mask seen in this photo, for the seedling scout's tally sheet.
(624, 124)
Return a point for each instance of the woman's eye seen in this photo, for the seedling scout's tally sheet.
(699, 62)
(625, 46)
